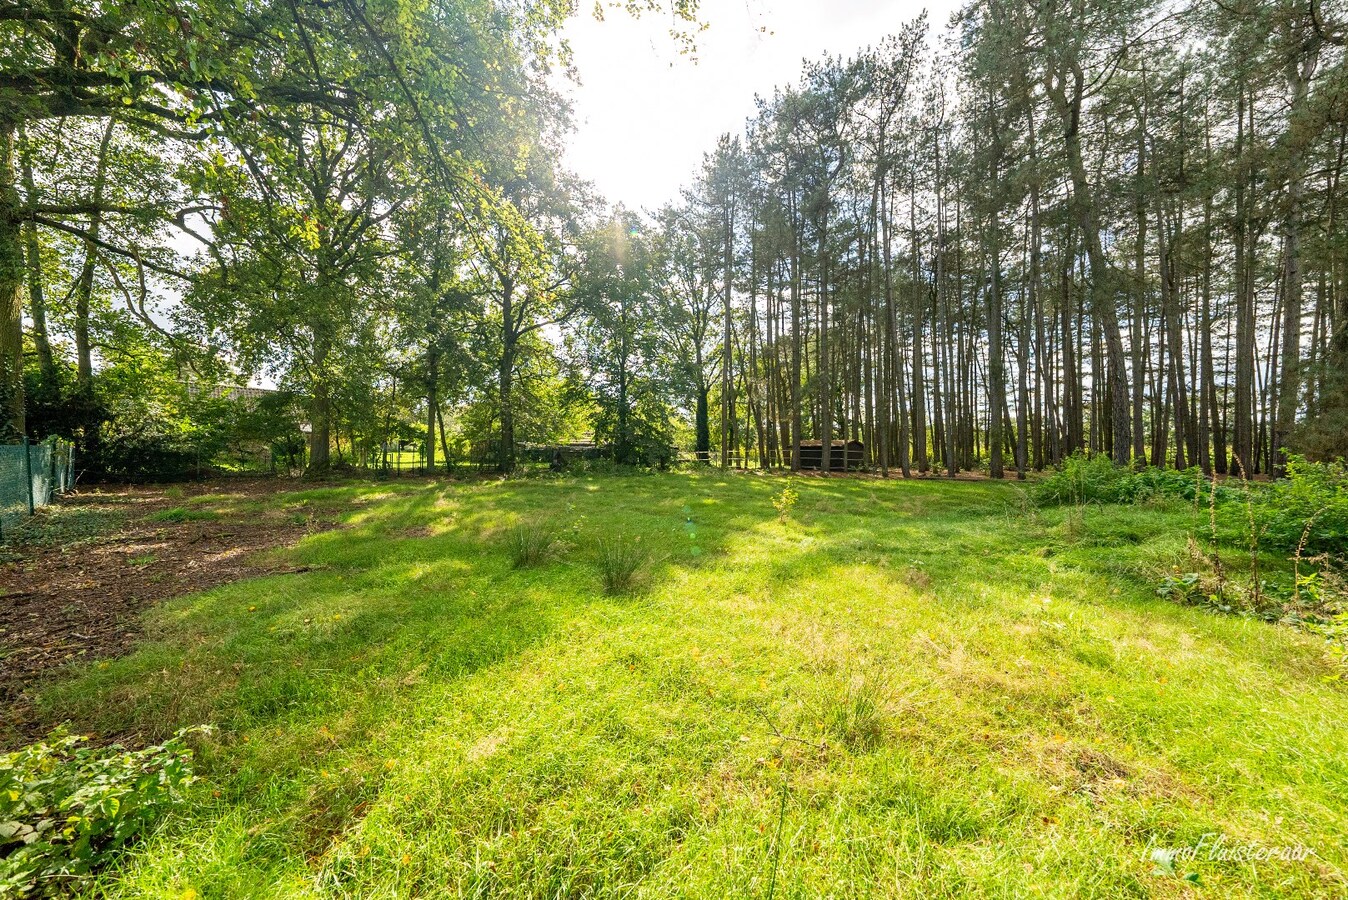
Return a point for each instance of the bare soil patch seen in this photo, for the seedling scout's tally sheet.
(76, 593)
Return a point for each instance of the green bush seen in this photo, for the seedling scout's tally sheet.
(1171, 484)
(1311, 501)
(1083, 478)
(67, 809)
(1181, 588)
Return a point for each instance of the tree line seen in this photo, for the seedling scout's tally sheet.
(1112, 227)
(1047, 228)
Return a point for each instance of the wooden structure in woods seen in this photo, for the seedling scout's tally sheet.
(843, 455)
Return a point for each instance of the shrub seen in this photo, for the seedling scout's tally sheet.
(1311, 503)
(1170, 484)
(529, 544)
(1185, 588)
(1325, 592)
(67, 809)
(785, 502)
(621, 563)
(1083, 478)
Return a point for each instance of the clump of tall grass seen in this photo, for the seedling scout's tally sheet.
(183, 514)
(1074, 524)
(622, 563)
(530, 544)
(853, 712)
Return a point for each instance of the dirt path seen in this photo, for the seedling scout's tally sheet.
(75, 593)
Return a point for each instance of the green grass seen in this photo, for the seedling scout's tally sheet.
(184, 514)
(530, 544)
(918, 689)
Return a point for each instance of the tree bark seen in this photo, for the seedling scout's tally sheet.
(37, 300)
(505, 453)
(84, 286)
(11, 290)
(432, 403)
(320, 413)
(1102, 283)
(918, 306)
(1298, 70)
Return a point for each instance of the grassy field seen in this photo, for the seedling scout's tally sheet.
(908, 689)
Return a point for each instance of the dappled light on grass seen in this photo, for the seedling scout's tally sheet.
(935, 692)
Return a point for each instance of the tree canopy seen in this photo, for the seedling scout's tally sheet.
(1112, 226)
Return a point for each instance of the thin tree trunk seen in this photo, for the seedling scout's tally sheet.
(1299, 69)
(505, 374)
(37, 301)
(11, 289)
(1102, 283)
(432, 403)
(84, 287)
(918, 388)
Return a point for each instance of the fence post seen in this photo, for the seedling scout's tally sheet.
(28, 469)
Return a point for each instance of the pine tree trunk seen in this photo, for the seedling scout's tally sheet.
(919, 332)
(1298, 70)
(1102, 284)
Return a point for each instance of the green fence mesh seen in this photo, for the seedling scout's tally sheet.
(31, 475)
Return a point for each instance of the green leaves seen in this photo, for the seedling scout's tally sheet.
(67, 808)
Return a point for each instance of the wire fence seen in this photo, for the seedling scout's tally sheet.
(31, 475)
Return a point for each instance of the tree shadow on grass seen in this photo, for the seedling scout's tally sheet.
(416, 581)
(417, 596)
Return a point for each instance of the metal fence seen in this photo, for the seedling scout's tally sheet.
(31, 475)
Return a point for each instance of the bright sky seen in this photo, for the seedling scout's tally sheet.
(645, 115)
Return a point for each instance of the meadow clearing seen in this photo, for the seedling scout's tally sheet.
(898, 688)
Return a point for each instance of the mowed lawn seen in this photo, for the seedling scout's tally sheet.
(909, 689)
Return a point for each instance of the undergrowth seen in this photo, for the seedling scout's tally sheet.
(1301, 519)
(68, 809)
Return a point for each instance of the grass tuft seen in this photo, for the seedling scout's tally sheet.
(530, 544)
(852, 712)
(622, 562)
